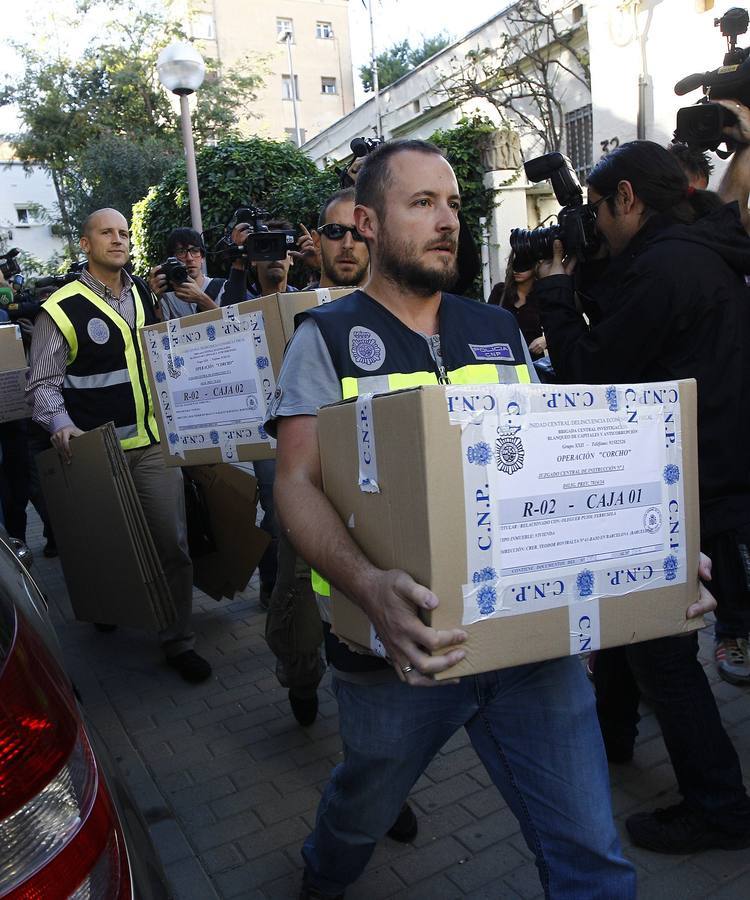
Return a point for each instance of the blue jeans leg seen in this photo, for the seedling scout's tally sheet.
(537, 734)
(390, 733)
(534, 728)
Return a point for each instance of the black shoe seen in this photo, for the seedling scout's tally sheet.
(50, 550)
(311, 893)
(190, 666)
(304, 709)
(264, 597)
(680, 829)
(104, 627)
(405, 828)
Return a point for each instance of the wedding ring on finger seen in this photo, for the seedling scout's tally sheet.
(407, 669)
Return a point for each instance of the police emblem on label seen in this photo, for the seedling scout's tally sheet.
(652, 519)
(509, 453)
(492, 352)
(366, 349)
(98, 331)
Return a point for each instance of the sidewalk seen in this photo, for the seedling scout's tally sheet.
(229, 782)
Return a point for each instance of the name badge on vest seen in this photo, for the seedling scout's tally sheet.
(98, 331)
(492, 352)
(366, 349)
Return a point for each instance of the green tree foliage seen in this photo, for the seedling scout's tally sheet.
(274, 176)
(76, 112)
(462, 147)
(401, 58)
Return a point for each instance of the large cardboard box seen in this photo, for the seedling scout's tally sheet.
(13, 370)
(229, 497)
(548, 520)
(212, 376)
(112, 570)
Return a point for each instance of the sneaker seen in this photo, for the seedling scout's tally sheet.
(733, 660)
(680, 829)
(405, 828)
(304, 709)
(191, 667)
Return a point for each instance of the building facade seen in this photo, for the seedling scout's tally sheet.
(417, 105)
(28, 205)
(264, 34)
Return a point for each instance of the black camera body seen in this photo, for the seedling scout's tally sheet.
(174, 270)
(9, 264)
(576, 222)
(261, 245)
(58, 281)
(701, 126)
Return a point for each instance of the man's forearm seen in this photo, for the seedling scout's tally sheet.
(320, 537)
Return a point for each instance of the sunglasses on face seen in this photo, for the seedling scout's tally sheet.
(335, 232)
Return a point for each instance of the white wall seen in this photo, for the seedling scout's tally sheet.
(663, 39)
(22, 189)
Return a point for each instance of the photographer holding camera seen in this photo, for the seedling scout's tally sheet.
(179, 283)
(674, 305)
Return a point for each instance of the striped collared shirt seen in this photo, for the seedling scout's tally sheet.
(49, 354)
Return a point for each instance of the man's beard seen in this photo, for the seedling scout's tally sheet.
(399, 264)
(329, 270)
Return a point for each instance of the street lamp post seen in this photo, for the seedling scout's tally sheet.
(287, 36)
(181, 70)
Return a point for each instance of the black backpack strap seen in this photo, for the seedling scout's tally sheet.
(213, 288)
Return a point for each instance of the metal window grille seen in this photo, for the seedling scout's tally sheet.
(579, 140)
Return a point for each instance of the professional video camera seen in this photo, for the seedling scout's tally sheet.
(575, 221)
(58, 281)
(360, 146)
(701, 126)
(9, 264)
(261, 244)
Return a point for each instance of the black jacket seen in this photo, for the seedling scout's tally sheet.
(673, 305)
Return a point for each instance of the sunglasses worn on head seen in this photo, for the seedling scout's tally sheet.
(335, 232)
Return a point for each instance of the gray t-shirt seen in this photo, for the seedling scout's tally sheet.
(174, 308)
(308, 379)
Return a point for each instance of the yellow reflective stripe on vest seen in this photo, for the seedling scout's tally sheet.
(319, 585)
(489, 373)
(399, 381)
(143, 405)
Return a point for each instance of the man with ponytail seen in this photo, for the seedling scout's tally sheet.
(673, 304)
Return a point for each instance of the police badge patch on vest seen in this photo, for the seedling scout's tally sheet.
(366, 349)
(492, 352)
(98, 331)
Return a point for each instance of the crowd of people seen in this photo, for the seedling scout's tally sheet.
(668, 299)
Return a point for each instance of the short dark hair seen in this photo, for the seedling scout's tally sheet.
(278, 225)
(184, 237)
(374, 176)
(694, 162)
(344, 194)
(657, 179)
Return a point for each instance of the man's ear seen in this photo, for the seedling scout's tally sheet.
(83, 243)
(626, 198)
(315, 239)
(365, 221)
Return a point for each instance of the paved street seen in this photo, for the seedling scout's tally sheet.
(229, 782)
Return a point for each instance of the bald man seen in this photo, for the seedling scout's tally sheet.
(86, 370)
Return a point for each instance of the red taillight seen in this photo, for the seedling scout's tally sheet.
(59, 833)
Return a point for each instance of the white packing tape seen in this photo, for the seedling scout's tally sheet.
(584, 622)
(228, 451)
(368, 463)
(230, 313)
(323, 295)
(376, 645)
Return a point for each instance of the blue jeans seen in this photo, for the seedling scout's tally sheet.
(534, 727)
